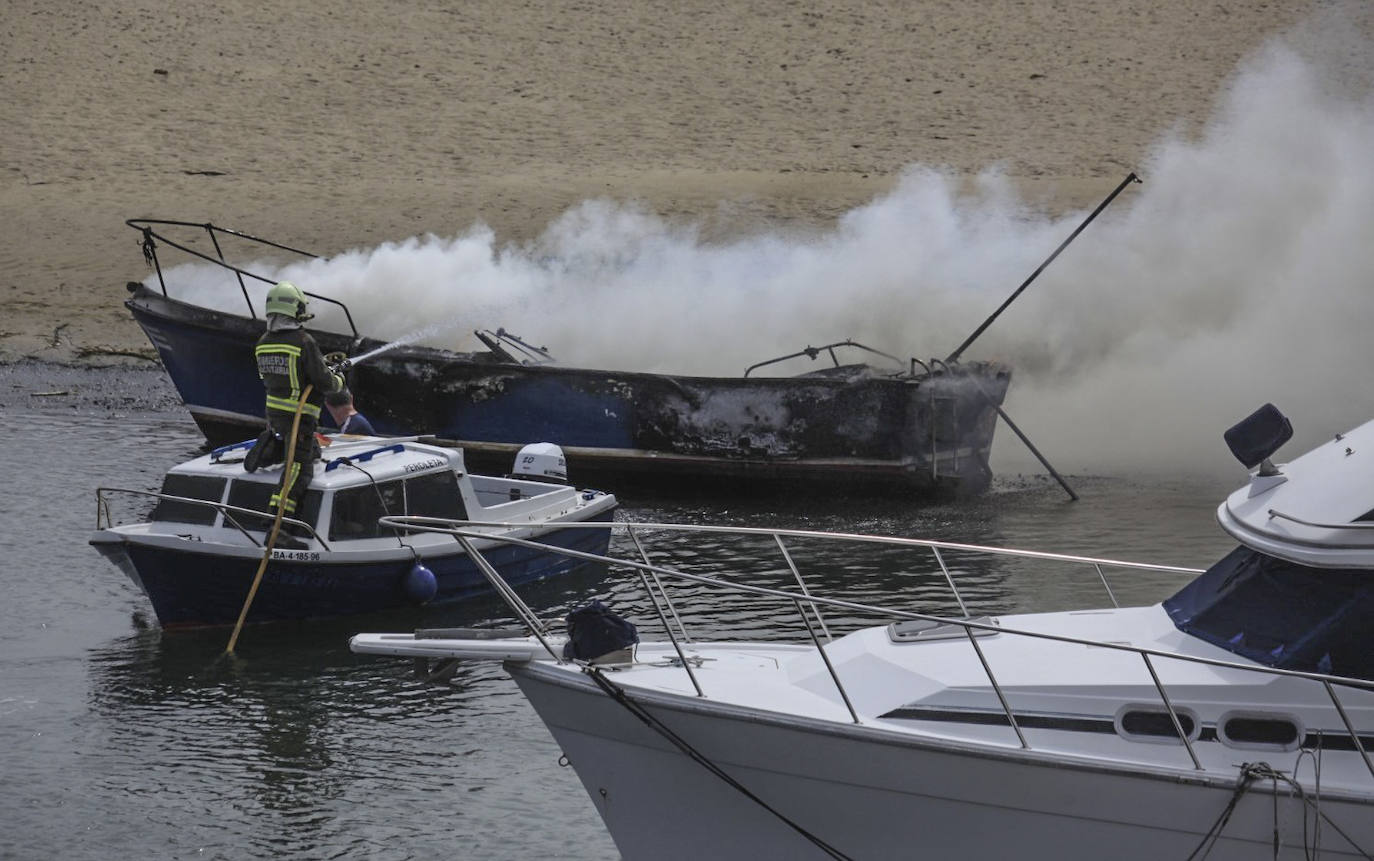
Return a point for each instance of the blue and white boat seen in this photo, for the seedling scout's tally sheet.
(198, 552)
(905, 427)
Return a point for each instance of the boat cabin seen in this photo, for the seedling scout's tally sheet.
(358, 481)
(1298, 594)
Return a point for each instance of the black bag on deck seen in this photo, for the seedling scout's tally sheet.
(595, 632)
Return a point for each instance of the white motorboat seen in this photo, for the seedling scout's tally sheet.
(1232, 720)
(199, 552)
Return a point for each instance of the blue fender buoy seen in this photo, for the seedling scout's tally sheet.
(420, 584)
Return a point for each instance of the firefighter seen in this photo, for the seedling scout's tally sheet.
(288, 359)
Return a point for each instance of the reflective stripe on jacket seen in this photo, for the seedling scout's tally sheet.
(287, 361)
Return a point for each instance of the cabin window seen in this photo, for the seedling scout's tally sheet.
(204, 487)
(1263, 731)
(435, 495)
(1151, 724)
(1282, 614)
(257, 496)
(356, 510)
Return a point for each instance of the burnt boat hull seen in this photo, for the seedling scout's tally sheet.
(193, 586)
(848, 428)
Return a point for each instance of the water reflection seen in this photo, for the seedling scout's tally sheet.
(293, 746)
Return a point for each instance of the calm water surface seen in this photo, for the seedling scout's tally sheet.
(117, 741)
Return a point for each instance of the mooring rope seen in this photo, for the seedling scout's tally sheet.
(1249, 773)
(1315, 839)
(618, 694)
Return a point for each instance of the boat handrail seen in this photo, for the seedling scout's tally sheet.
(144, 226)
(364, 457)
(812, 352)
(104, 520)
(1281, 516)
(411, 521)
(463, 529)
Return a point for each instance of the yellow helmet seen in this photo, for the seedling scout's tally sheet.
(286, 298)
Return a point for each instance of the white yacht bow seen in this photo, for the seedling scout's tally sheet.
(1235, 719)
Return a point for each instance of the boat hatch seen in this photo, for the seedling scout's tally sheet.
(924, 630)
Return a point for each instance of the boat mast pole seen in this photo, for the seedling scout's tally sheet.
(1073, 497)
(1130, 178)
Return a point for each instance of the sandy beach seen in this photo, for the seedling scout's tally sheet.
(366, 122)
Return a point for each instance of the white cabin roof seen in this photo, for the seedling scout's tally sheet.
(1317, 511)
(383, 458)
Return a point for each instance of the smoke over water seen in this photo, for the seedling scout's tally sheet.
(1240, 272)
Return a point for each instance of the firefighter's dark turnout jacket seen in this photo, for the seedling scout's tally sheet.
(289, 359)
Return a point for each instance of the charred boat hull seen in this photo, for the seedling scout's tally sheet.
(847, 428)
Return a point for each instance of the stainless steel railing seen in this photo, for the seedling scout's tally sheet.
(651, 577)
(151, 237)
(104, 520)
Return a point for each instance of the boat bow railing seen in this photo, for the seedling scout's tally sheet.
(652, 575)
(151, 238)
(104, 520)
(813, 352)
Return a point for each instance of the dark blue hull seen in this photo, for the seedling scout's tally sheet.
(846, 429)
(194, 589)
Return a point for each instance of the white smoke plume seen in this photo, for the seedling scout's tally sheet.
(1240, 272)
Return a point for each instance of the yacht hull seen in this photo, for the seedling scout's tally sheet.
(871, 793)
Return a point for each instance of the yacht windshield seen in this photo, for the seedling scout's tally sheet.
(1282, 614)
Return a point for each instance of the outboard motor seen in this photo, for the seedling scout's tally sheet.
(541, 461)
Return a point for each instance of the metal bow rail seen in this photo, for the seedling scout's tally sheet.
(151, 237)
(652, 575)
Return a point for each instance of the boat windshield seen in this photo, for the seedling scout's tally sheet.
(1282, 614)
(257, 496)
(208, 488)
(357, 509)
